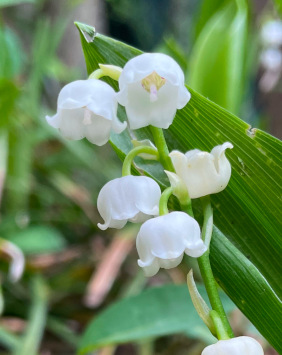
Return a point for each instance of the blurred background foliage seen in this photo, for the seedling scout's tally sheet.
(49, 186)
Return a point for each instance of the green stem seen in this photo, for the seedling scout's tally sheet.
(61, 330)
(164, 200)
(206, 271)
(30, 343)
(208, 220)
(160, 143)
(8, 339)
(97, 74)
(126, 167)
(219, 327)
(187, 207)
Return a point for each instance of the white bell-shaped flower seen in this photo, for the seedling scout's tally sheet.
(271, 33)
(203, 173)
(129, 198)
(271, 59)
(162, 241)
(87, 108)
(152, 89)
(236, 346)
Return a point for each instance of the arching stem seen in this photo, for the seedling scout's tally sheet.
(126, 167)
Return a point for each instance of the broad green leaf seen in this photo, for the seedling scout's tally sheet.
(246, 275)
(217, 59)
(248, 210)
(38, 239)
(154, 312)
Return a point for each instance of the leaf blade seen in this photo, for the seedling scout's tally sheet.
(145, 318)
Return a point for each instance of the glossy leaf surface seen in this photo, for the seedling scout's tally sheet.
(154, 312)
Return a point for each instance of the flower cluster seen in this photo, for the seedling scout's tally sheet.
(151, 88)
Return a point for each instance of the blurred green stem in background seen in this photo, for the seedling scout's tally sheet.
(3, 159)
(30, 342)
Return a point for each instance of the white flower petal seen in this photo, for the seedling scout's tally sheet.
(142, 112)
(203, 173)
(162, 241)
(75, 94)
(272, 33)
(271, 59)
(87, 108)
(142, 108)
(54, 121)
(184, 97)
(236, 346)
(98, 132)
(133, 198)
(71, 126)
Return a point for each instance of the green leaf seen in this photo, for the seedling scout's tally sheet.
(11, 53)
(245, 275)
(38, 239)
(208, 8)
(223, 41)
(154, 312)
(247, 211)
(278, 4)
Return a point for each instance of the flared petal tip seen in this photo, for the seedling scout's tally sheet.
(183, 98)
(53, 121)
(118, 126)
(197, 252)
(227, 145)
(103, 226)
(150, 268)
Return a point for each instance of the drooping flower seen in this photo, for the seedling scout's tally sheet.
(236, 346)
(87, 108)
(162, 241)
(152, 89)
(203, 173)
(129, 198)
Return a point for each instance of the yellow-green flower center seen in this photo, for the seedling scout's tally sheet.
(152, 83)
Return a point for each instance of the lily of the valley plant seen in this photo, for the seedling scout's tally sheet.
(151, 88)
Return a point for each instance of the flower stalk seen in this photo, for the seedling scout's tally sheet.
(206, 271)
(219, 326)
(164, 201)
(161, 145)
(126, 168)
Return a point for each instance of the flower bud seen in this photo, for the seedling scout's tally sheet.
(203, 173)
(162, 241)
(152, 89)
(236, 346)
(129, 198)
(87, 108)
